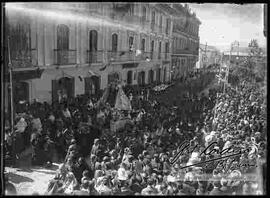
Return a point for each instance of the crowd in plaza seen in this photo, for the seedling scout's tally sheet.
(143, 158)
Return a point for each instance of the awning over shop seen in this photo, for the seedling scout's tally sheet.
(130, 65)
(24, 74)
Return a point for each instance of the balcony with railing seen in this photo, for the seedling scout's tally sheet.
(23, 58)
(125, 56)
(182, 51)
(94, 56)
(166, 55)
(153, 26)
(64, 57)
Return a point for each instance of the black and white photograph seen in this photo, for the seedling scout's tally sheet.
(133, 98)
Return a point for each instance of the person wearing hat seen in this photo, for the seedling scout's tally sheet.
(150, 189)
(156, 165)
(122, 173)
(95, 147)
(10, 189)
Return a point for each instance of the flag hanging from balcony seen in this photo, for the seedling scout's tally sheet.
(122, 53)
(92, 73)
(105, 66)
(122, 102)
(138, 52)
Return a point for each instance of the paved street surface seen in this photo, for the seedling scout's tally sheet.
(29, 181)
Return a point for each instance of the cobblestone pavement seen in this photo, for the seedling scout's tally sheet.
(31, 180)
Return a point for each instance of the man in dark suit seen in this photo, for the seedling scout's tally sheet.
(216, 190)
(224, 188)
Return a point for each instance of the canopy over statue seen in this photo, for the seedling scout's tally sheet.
(122, 102)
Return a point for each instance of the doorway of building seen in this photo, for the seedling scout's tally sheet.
(63, 88)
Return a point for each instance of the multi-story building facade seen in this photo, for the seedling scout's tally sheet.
(69, 49)
(185, 34)
(208, 55)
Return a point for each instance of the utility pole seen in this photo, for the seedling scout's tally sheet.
(205, 54)
(11, 90)
(227, 69)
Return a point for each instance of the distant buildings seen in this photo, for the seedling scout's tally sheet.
(68, 49)
(208, 56)
(185, 49)
(239, 54)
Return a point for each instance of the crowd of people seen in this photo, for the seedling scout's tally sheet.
(137, 160)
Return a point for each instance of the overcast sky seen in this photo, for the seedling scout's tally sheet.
(224, 23)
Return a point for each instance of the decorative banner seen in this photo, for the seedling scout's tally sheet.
(104, 97)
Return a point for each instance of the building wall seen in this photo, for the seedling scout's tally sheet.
(185, 48)
(44, 42)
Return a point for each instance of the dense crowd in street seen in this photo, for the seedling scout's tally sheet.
(143, 157)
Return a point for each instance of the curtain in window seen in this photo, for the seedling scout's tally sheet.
(20, 42)
(62, 37)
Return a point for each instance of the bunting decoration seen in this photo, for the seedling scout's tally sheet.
(105, 66)
(92, 73)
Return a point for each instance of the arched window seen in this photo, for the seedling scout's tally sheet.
(131, 43)
(167, 50)
(160, 22)
(159, 50)
(164, 75)
(144, 13)
(20, 42)
(129, 77)
(152, 48)
(141, 78)
(153, 17)
(62, 37)
(114, 42)
(113, 77)
(158, 75)
(21, 92)
(143, 45)
(150, 76)
(91, 85)
(93, 40)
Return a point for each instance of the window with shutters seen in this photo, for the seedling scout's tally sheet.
(131, 43)
(114, 42)
(166, 50)
(144, 13)
(168, 25)
(143, 45)
(152, 49)
(89, 85)
(129, 77)
(159, 50)
(153, 17)
(19, 33)
(62, 37)
(160, 23)
(93, 41)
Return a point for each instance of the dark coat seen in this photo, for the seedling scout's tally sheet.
(216, 191)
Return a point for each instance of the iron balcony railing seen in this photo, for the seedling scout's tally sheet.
(94, 56)
(167, 55)
(24, 58)
(122, 56)
(64, 57)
